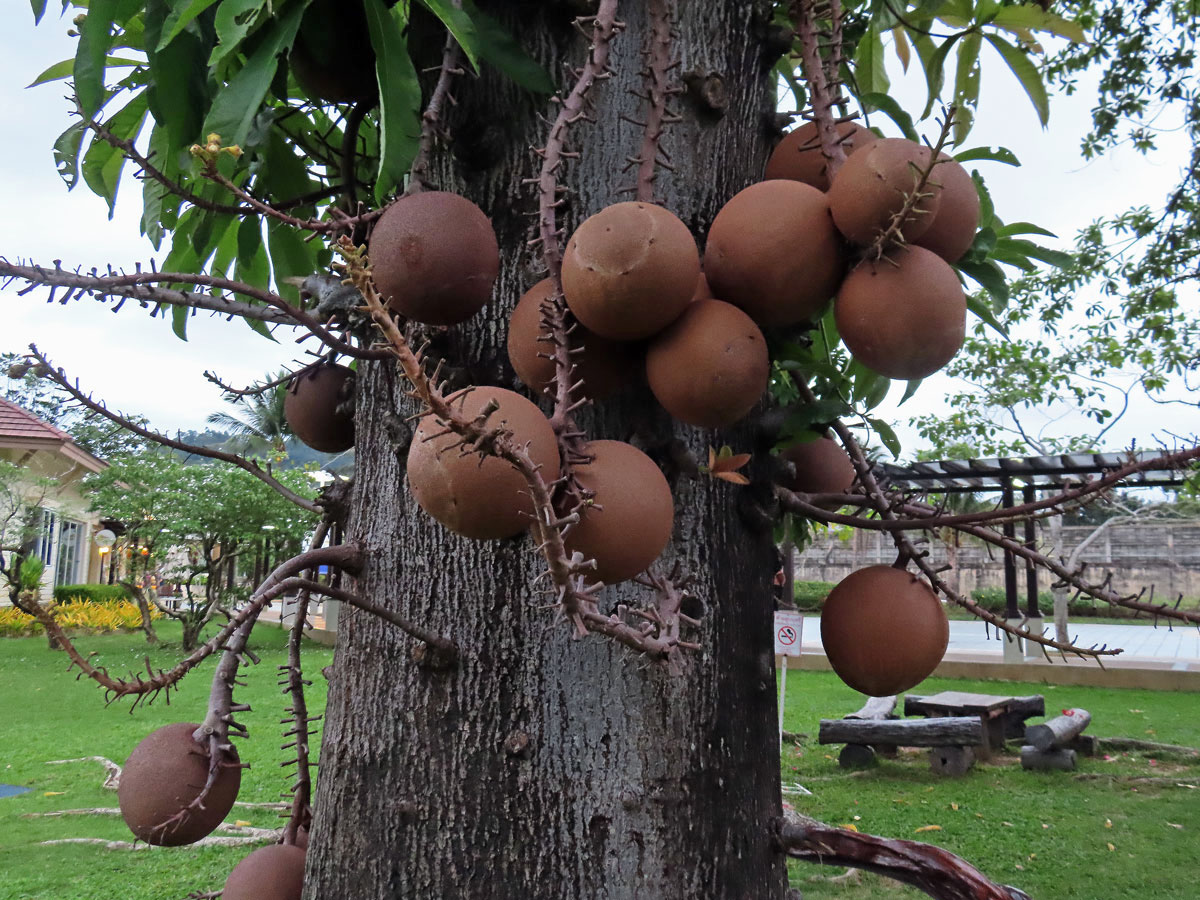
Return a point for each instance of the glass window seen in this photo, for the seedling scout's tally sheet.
(68, 553)
(45, 546)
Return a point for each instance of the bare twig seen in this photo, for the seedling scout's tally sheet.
(656, 76)
(431, 119)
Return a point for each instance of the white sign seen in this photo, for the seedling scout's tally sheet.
(789, 630)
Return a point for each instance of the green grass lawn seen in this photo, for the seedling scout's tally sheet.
(45, 714)
(1046, 833)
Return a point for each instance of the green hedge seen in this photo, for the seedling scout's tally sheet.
(90, 593)
(810, 595)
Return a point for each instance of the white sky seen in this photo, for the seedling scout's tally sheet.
(137, 365)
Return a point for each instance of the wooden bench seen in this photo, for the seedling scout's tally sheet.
(1048, 745)
(1001, 717)
(950, 738)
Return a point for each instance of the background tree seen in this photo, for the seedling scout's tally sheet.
(631, 750)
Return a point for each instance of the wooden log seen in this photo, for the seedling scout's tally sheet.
(952, 761)
(877, 708)
(1084, 744)
(1052, 760)
(951, 731)
(1020, 709)
(857, 756)
(1058, 732)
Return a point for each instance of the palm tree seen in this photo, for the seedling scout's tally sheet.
(262, 426)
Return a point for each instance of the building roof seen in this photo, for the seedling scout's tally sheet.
(22, 429)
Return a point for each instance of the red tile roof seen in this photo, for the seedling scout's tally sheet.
(18, 422)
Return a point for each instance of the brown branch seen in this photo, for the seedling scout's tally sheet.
(443, 645)
(247, 465)
(418, 176)
(657, 53)
(823, 91)
(937, 872)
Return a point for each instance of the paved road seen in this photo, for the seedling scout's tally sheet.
(1180, 642)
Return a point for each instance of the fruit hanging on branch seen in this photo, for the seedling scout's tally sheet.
(903, 316)
(162, 781)
(435, 257)
(319, 407)
(630, 270)
(874, 186)
(798, 157)
(603, 365)
(773, 251)
(884, 630)
(711, 367)
(821, 467)
(952, 230)
(480, 497)
(275, 872)
(628, 524)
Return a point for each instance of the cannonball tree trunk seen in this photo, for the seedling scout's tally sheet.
(543, 766)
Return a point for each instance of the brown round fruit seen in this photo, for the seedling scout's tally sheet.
(703, 290)
(799, 158)
(275, 872)
(434, 257)
(161, 778)
(773, 251)
(332, 57)
(711, 367)
(905, 316)
(630, 270)
(485, 500)
(952, 230)
(884, 630)
(634, 514)
(822, 467)
(872, 186)
(604, 365)
(319, 408)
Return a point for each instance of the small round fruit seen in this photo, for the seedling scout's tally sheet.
(773, 251)
(630, 270)
(822, 467)
(873, 185)
(332, 57)
(631, 523)
(274, 872)
(434, 257)
(952, 230)
(604, 365)
(884, 630)
(485, 499)
(162, 777)
(799, 158)
(319, 407)
(711, 367)
(904, 316)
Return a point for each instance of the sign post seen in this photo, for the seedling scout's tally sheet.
(789, 630)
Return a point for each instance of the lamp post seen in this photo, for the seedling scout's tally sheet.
(104, 540)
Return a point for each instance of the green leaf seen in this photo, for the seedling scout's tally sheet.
(935, 68)
(1013, 18)
(1027, 74)
(501, 50)
(459, 24)
(987, 209)
(66, 153)
(910, 390)
(102, 164)
(39, 10)
(179, 90)
(95, 38)
(66, 68)
(1023, 228)
(869, 68)
(236, 105)
(1056, 258)
(234, 20)
(179, 317)
(182, 12)
(887, 105)
(887, 435)
(966, 86)
(997, 154)
(291, 257)
(399, 97)
(977, 305)
(989, 275)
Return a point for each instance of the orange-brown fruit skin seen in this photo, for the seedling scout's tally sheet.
(311, 408)
(799, 158)
(630, 270)
(871, 187)
(484, 501)
(904, 318)
(822, 467)
(332, 58)
(884, 630)
(604, 366)
(634, 525)
(773, 251)
(164, 773)
(711, 367)
(435, 257)
(274, 872)
(952, 230)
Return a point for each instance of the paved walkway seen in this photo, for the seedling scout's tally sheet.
(1179, 643)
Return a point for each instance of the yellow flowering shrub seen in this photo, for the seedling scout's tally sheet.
(105, 616)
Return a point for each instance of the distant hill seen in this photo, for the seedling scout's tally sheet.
(298, 454)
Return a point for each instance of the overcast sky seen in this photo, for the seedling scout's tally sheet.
(137, 364)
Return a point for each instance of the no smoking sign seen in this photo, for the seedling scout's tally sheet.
(789, 628)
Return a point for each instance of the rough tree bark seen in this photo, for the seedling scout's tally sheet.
(543, 767)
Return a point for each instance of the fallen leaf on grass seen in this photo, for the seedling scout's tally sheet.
(242, 823)
(1173, 825)
(1135, 711)
(1108, 823)
(1019, 866)
(849, 826)
(954, 806)
(53, 793)
(1111, 848)
(928, 828)
(1008, 824)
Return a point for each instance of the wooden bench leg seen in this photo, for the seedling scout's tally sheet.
(951, 760)
(856, 756)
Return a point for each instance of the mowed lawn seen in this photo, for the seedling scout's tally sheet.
(1049, 834)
